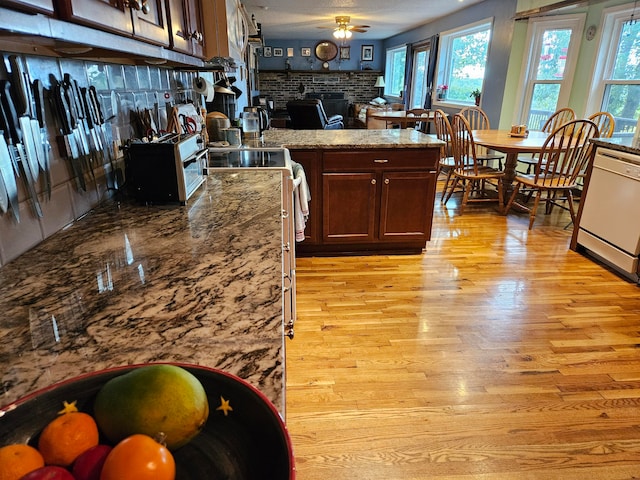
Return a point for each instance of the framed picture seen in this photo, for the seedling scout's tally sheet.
(278, 52)
(266, 52)
(305, 51)
(345, 53)
(367, 53)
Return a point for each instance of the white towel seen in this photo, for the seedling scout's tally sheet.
(301, 199)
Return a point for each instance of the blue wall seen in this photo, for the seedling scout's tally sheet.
(298, 62)
(502, 11)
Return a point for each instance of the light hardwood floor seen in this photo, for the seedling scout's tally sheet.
(497, 354)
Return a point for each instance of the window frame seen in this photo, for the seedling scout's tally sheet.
(528, 81)
(415, 51)
(389, 71)
(444, 59)
(613, 19)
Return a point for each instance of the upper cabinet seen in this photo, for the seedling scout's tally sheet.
(225, 30)
(143, 19)
(33, 6)
(185, 20)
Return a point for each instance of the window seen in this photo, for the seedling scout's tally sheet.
(616, 81)
(419, 67)
(548, 66)
(461, 62)
(394, 71)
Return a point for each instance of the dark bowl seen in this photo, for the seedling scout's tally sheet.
(252, 442)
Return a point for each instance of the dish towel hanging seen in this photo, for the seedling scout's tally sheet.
(301, 199)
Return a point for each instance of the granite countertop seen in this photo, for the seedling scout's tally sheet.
(623, 144)
(130, 284)
(349, 138)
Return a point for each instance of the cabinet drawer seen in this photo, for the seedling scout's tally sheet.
(414, 159)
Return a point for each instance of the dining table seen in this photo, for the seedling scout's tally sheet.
(402, 118)
(511, 145)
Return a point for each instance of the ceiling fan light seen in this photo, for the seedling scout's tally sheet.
(348, 34)
(339, 33)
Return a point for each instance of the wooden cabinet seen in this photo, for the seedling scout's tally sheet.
(147, 22)
(371, 200)
(31, 6)
(186, 26)
(225, 30)
(311, 162)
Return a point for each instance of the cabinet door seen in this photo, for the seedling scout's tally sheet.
(185, 19)
(37, 6)
(109, 15)
(406, 207)
(150, 23)
(310, 161)
(118, 17)
(349, 207)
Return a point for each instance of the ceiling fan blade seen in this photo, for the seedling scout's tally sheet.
(359, 26)
(359, 30)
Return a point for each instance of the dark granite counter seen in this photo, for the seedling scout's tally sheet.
(131, 284)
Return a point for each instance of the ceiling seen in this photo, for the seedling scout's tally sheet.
(300, 19)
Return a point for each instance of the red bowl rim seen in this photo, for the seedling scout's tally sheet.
(270, 405)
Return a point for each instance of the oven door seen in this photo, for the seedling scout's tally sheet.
(191, 174)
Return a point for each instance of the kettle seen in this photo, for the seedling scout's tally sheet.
(263, 117)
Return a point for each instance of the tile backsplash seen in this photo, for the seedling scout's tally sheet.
(121, 89)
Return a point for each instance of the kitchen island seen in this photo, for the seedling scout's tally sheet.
(130, 283)
(372, 191)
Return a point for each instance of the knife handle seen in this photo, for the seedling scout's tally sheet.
(87, 110)
(60, 104)
(38, 93)
(21, 85)
(96, 103)
(10, 113)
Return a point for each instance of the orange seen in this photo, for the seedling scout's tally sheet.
(66, 437)
(139, 457)
(18, 460)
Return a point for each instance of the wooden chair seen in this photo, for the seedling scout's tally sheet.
(566, 153)
(446, 163)
(478, 120)
(557, 119)
(468, 170)
(605, 122)
(418, 124)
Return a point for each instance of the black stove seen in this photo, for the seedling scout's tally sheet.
(248, 158)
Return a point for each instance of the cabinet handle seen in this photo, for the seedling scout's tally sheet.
(381, 160)
(290, 333)
(386, 181)
(197, 36)
(285, 214)
(286, 247)
(373, 181)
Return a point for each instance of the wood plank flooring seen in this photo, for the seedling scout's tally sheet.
(496, 354)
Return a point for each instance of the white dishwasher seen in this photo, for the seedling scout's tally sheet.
(609, 227)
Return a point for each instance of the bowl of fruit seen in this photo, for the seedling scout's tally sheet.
(160, 421)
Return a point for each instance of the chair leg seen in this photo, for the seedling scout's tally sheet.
(572, 210)
(512, 198)
(446, 184)
(500, 197)
(451, 189)
(465, 197)
(532, 213)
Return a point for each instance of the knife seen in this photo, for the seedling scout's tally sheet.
(4, 195)
(21, 158)
(38, 90)
(88, 121)
(67, 142)
(9, 179)
(22, 101)
(81, 140)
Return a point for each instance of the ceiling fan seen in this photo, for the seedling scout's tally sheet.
(343, 30)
